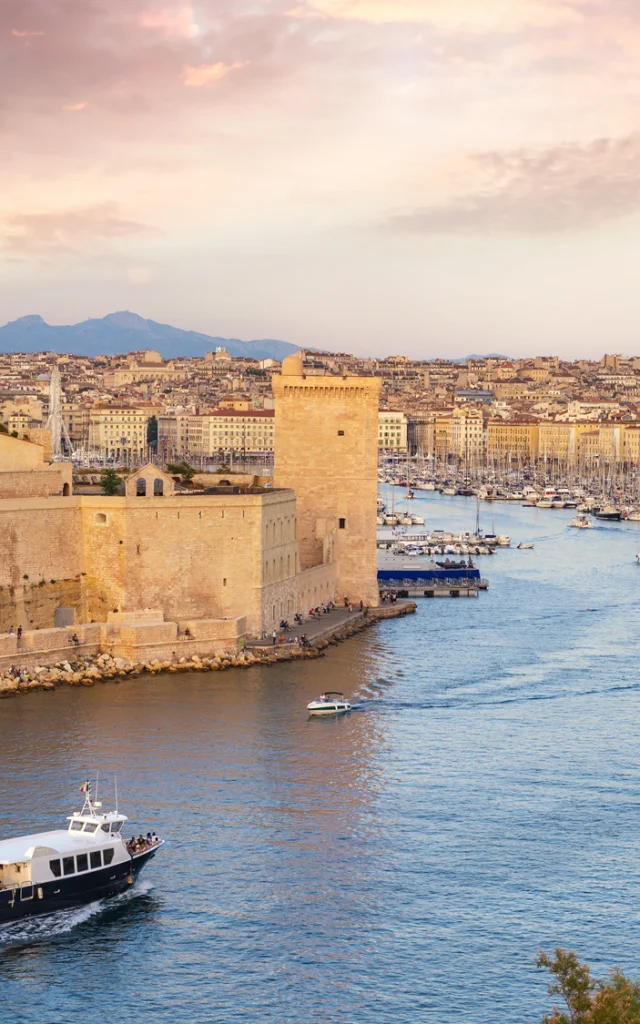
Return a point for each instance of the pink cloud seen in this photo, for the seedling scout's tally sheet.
(71, 231)
(453, 15)
(196, 77)
(75, 106)
(24, 33)
(179, 21)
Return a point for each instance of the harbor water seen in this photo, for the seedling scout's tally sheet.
(402, 864)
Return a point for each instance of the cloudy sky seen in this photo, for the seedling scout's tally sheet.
(431, 177)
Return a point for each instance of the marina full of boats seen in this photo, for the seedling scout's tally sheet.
(602, 507)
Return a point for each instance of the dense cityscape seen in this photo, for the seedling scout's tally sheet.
(480, 411)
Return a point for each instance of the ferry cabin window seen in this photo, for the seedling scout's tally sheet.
(90, 828)
(108, 855)
(82, 862)
(96, 859)
(68, 867)
(105, 827)
(54, 867)
(116, 826)
(76, 826)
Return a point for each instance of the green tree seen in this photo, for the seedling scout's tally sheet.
(152, 430)
(183, 470)
(587, 1001)
(3, 429)
(110, 481)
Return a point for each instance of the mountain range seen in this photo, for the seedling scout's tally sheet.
(127, 332)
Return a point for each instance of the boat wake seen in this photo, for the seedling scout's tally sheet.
(50, 926)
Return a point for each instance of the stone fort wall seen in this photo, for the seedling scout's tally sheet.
(193, 556)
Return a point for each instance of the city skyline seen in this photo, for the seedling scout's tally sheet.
(361, 175)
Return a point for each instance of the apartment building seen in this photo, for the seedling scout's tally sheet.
(119, 432)
(392, 431)
(219, 430)
(515, 438)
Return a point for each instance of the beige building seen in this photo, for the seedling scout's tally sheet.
(516, 439)
(119, 433)
(392, 431)
(221, 430)
(76, 417)
(466, 434)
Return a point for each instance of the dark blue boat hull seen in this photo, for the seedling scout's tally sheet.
(63, 893)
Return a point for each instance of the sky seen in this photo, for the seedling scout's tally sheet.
(425, 177)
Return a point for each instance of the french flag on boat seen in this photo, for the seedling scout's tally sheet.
(85, 788)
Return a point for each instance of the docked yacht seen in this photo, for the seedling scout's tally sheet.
(90, 860)
(330, 703)
(608, 512)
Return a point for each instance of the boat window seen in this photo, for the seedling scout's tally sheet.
(90, 828)
(76, 826)
(82, 862)
(108, 855)
(116, 826)
(105, 827)
(68, 866)
(96, 859)
(54, 867)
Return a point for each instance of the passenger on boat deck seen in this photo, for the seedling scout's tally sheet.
(187, 633)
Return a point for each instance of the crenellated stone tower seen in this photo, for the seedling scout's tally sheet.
(326, 449)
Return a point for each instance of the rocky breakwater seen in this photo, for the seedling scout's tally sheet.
(102, 668)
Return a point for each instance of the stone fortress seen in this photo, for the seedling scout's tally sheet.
(132, 573)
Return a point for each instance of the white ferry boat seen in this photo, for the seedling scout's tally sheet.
(90, 860)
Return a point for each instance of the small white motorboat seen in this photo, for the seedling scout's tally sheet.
(329, 704)
(581, 522)
(525, 547)
(638, 559)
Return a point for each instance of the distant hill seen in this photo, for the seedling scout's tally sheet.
(127, 332)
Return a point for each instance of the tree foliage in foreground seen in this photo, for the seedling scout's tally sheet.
(587, 1000)
(110, 481)
(183, 470)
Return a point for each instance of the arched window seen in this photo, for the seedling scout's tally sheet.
(288, 565)
(158, 488)
(141, 488)
(66, 490)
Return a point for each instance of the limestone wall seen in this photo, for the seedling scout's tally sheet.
(36, 483)
(195, 556)
(33, 606)
(326, 450)
(17, 455)
(40, 540)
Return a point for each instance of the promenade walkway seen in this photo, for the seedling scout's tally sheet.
(333, 620)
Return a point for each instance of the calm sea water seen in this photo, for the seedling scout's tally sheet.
(400, 865)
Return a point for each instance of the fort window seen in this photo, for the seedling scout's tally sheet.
(158, 488)
(141, 488)
(342, 523)
(66, 491)
(341, 433)
(101, 518)
(224, 581)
